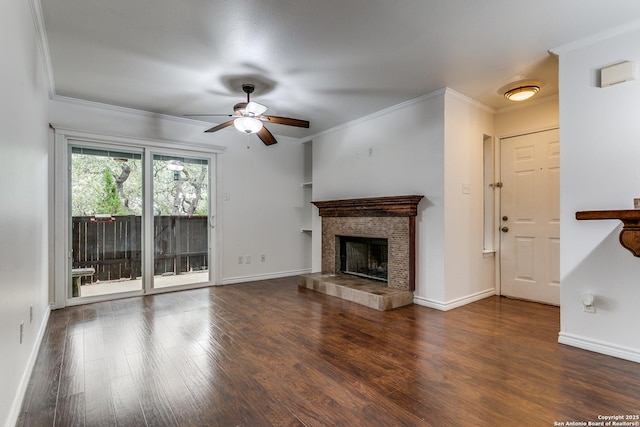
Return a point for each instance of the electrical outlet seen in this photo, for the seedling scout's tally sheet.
(263, 258)
(21, 331)
(247, 259)
(240, 260)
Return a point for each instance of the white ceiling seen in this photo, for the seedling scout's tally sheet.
(326, 61)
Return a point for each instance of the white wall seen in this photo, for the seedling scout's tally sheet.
(23, 211)
(264, 212)
(470, 274)
(532, 116)
(600, 134)
(402, 151)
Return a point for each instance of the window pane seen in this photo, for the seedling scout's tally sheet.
(489, 191)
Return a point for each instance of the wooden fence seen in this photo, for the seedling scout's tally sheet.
(114, 248)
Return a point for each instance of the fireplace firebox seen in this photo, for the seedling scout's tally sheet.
(364, 257)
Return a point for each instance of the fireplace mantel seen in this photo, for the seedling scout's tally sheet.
(370, 207)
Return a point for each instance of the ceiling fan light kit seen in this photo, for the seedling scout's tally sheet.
(521, 93)
(248, 125)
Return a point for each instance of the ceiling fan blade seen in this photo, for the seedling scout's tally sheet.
(221, 126)
(287, 121)
(255, 109)
(266, 136)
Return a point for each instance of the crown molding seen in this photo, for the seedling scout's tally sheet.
(125, 110)
(438, 93)
(43, 45)
(150, 115)
(470, 101)
(595, 38)
(377, 114)
(116, 138)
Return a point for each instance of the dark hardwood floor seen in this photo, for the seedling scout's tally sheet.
(272, 354)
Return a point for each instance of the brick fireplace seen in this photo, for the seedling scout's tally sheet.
(389, 218)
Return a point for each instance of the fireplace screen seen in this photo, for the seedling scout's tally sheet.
(365, 257)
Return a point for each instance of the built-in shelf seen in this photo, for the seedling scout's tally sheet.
(630, 233)
(307, 201)
(307, 193)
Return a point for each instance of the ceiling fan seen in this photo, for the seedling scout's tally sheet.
(249, 117)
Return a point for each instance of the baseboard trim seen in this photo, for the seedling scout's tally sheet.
(458, 302)
(26, 375)
(597, 346)
(267, 276)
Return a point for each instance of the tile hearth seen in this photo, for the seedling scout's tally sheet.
(369, 293)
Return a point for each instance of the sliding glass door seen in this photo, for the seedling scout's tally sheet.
(140, 220)
(180, 220)
(106, 221)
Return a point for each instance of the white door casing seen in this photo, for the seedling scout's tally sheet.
(530, 217)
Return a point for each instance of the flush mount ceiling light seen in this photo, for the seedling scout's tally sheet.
(522, 93)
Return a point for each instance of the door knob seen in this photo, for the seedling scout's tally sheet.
(505, 229)
(505, 218)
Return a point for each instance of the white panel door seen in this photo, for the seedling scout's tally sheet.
(530, 217)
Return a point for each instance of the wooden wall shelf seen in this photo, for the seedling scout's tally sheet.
(630, 233)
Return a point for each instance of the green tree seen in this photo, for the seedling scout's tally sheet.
(110, 202)
(89, 190)
(112, 184)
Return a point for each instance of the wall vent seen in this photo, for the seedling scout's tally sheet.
(619, 73)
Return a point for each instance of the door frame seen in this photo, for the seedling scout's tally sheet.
(63, 139)
(498, 199)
